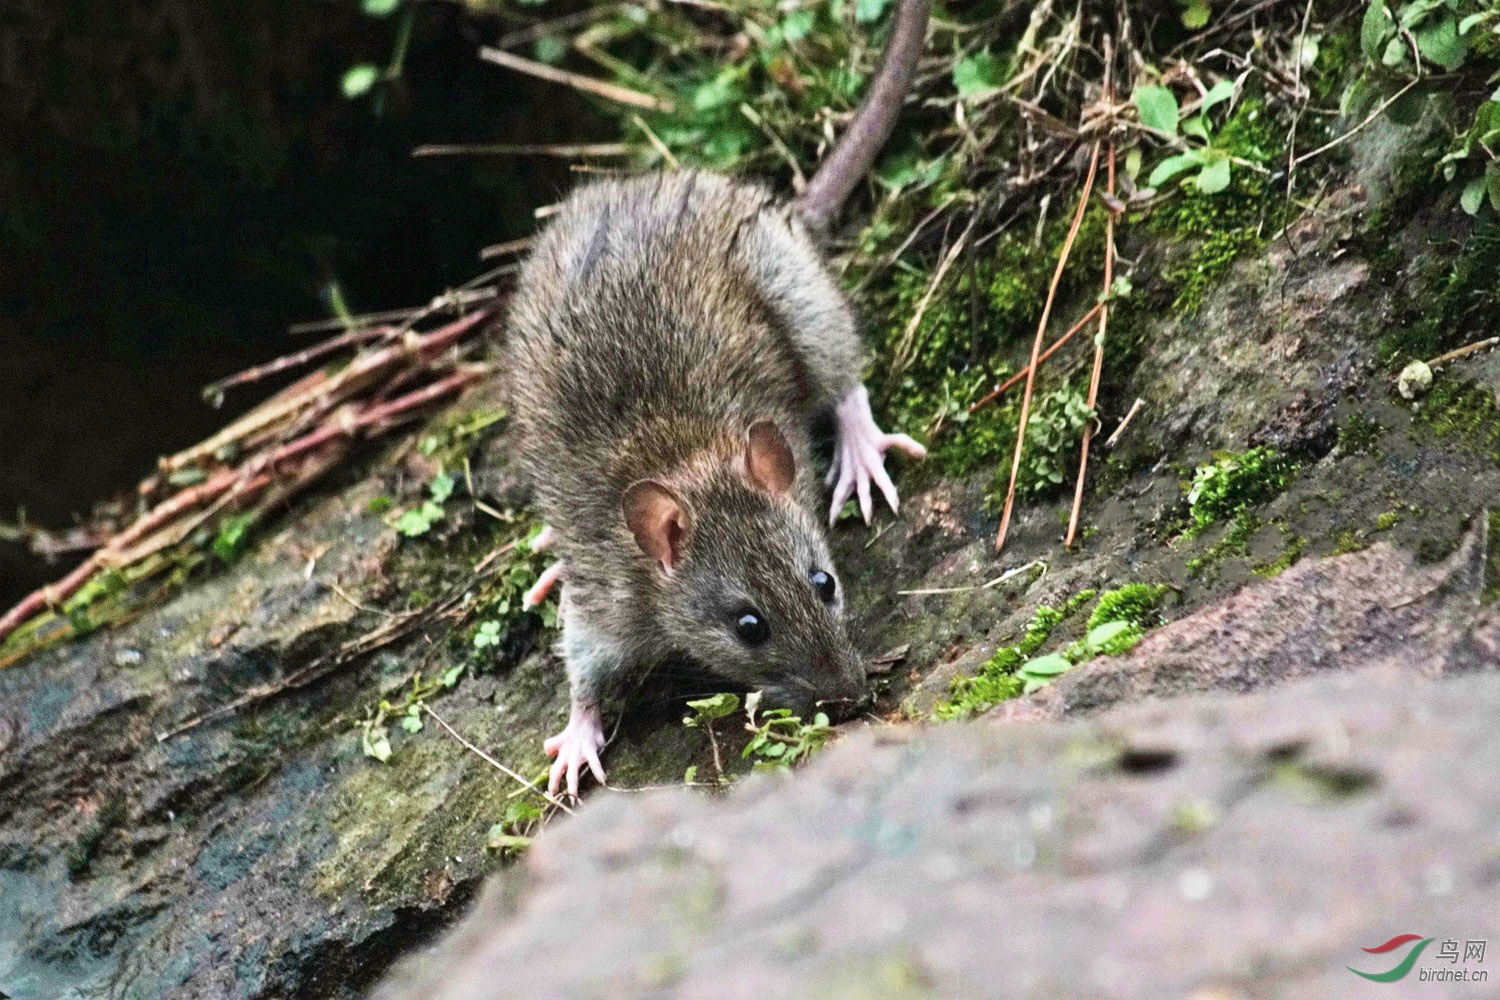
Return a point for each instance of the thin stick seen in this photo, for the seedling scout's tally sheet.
(1088, 427)
(656, 143)
(311, 354)
(908, 337)
(495, 763)
(508, 248)
(1036, 347)
(1008, 574)
(1463, 352)
(1134, 409)
(1052, 349)
(586, 84)
(561, 150)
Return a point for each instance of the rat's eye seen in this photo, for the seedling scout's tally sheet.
(750, 627)
(824, 585)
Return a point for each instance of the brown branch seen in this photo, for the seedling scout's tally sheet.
(297, 360)
(1036, 347)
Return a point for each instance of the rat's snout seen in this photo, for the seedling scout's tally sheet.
(842, 686)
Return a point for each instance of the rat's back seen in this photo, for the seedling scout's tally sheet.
(654, 317)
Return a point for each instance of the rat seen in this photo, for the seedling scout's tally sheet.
(672, 339)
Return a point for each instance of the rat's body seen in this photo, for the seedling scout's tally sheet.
(672, 338)
(671, 341)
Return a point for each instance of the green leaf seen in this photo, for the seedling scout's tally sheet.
(1473, 196)
(1214, 177)
(1046, 666)
(775, 750)
(1439, 41)
(441, 487)
(1468, 23)
(1196, 126)
(690, 775)
(716, 706)
(1196, 15)
(1158, 108)
(1395, 53)
(451, 675)
(797, 25)
(1493, 180)
(1217, 94)
(978, 74)
(419, 520)
(1133, 162)
(380, 8)
(1174, 165)
(1101, 635)
(359, 79)
(1374, 29)
(869, 11)
(231, 537)
(411, 723)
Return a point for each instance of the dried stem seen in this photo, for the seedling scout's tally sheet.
(1036, 346)
(1088, 427)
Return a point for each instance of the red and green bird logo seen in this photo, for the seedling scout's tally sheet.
(1405, 964)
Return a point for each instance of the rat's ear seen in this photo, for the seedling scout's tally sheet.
(657, 520)
(768, 458)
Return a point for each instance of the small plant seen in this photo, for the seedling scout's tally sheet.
(514, 833)
(419, 520)
(1233, 483)
(1000, 679)
(780, 739)
(1402, 43)
(705, 711)
(375, 734)
(1159, 111)
(1135, 603)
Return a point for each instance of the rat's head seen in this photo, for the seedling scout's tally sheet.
(746, 582)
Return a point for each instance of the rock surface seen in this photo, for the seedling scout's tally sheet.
(1211, 848)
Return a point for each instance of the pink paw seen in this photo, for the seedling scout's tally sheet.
(859, 456)
(579, 743)
(543, 586)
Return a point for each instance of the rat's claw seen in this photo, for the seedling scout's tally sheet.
(578, 744)
(860, 455)
(543, 586)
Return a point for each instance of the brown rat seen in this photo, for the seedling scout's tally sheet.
(672, 338)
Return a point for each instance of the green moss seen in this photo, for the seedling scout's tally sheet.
(1359, 435)
(1463, 414)
(1224, 226)
(1348, 541)
(997, 680)
(1236, 542)
(1291, 551)
(1135, 603)
(1233, 483)
(1387, 521)
(1455, 284)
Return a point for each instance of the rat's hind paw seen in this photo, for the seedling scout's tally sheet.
(860, 456)
(543, 586)
(578, 743)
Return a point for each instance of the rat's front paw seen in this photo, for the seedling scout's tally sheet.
(578, 743)
(860, 455)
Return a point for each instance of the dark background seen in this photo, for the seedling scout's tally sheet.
(181, 180)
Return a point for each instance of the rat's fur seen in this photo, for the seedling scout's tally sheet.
(657, 320)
